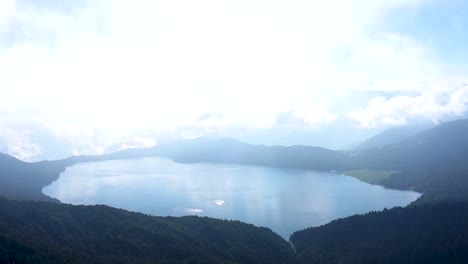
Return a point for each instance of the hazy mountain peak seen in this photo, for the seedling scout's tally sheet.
(394, 135)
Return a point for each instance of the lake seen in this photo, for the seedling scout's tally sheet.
(284, 200)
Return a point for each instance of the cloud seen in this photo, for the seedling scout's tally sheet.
(169, 62)
(310, 117)
(84, 140)
(7, 10)
(436, 105)
(203, 67)
(37, 141)
(18, 144)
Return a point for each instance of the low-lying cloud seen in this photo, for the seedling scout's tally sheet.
(436, 105)
(192, 68)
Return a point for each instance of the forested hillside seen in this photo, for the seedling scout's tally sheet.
(24, 181)
(38, 232)
(434, 162)
(429, 233)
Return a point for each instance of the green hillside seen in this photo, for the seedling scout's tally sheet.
(430, 233)
(38, 232)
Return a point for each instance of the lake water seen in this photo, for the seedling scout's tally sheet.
(284, 200)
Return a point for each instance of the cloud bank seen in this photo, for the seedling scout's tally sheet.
(204, 67)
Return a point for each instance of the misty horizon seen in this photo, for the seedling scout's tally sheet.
(93, 77)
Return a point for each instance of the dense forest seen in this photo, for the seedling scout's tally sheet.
(428, 233)
(41, 232)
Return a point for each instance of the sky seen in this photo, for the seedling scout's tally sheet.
(95, 76)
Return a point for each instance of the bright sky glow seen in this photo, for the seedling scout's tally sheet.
(114, 70)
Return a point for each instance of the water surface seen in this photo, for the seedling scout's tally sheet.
(284, 200)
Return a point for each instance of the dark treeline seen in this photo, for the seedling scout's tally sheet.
(429, 233)
(40, 232)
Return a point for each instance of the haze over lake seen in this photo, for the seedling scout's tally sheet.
(284, 200)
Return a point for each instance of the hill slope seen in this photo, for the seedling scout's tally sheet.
(430, 233)
(434, 162)
(24, 181)
(394, 135)
(37, 232)
(226, 150)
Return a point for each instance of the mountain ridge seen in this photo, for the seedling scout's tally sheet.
(394, 135)
(40, 232)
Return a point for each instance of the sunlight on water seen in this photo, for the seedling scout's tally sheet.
(281, 199)
(219, 202)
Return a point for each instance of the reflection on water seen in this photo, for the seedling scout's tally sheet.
(281, 199)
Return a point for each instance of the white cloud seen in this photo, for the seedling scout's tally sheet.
(7, 10)
(310, 117)
(85, 140)
(122, 66)
(18, 144)
(168, 62)
(436, 105)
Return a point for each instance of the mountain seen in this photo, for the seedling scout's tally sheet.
(232, 151)
(432, 230)
(24, 181)
(429, 233)
(394, 135)
(443, 145)
(434, 162)
(39, 232)
(290, 131)
(226, 150)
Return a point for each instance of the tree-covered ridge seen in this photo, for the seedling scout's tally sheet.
(434, 162)
(429, 233)
(38, 232)
(24, 181)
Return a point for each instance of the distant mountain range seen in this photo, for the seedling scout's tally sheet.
(394, 135)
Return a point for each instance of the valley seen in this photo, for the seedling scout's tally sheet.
(432, 162)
